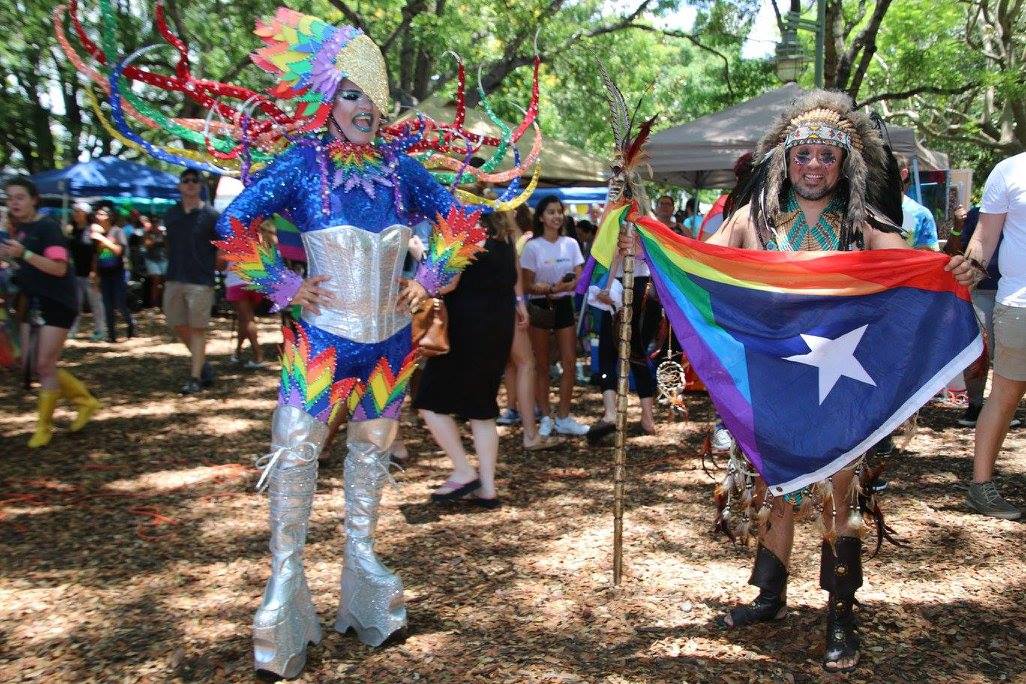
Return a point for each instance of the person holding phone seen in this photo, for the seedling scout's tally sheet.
(111, 248)
(551, 263)
(49, 297)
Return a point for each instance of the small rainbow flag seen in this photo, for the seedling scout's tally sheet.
(596, 269)
(290, 242)
(811, 358)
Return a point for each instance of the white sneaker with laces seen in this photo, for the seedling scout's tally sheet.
(721, 438)
(569, 426)
(545, 426)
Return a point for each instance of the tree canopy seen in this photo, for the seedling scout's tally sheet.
(956, 71)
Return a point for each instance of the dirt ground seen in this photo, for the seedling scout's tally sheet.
(136, 551)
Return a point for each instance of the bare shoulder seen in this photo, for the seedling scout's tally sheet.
(737, 231)
(877, 239)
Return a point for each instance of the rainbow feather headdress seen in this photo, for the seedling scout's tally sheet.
(311, 57)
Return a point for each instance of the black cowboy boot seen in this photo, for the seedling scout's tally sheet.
(840, 573)
(770, 575)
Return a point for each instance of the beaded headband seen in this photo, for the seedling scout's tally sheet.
(817, 134)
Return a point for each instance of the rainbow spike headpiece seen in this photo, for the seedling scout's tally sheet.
(311, 57)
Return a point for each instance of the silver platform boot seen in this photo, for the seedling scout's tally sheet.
(286, 620)
(372, 595)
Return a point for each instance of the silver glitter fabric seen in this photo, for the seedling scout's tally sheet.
(372, 595)
(286, 620)
(363, 270)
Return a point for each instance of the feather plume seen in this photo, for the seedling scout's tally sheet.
(763, 516)
(619, 117)
(636, 154)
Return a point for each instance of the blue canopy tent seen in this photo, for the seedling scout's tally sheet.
(578, 195)
(108, 177)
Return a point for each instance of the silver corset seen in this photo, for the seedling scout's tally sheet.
(363, 270)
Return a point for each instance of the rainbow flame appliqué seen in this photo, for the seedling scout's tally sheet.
(306, 378)
(384, 392)
(259, 264)
(452, 247)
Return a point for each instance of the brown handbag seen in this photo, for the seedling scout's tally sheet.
(431, 327)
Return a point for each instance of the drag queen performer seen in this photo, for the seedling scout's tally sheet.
(352, 347)
(354, 191)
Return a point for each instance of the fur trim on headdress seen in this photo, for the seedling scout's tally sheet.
(867, 174)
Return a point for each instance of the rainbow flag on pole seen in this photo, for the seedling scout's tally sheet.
(811, 358)
(596, 269)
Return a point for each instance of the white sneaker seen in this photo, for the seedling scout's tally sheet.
(569, 426)
(721, 439)
(545, 426)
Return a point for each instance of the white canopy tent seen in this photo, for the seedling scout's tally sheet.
(701, 154)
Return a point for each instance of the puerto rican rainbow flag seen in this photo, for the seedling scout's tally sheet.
(811, 357)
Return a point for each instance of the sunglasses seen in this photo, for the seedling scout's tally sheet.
(353, 95)
(189, 179)
(804, 158)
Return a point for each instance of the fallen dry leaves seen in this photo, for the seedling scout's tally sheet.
(136, 552)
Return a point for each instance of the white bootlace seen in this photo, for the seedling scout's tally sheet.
(267, 462)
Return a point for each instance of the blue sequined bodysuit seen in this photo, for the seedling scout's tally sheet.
(354, 353)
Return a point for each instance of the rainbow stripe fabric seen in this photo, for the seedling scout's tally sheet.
(290, 242)
(811, 357)
(596, 269)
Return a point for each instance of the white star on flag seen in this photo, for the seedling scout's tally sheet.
(834, 358)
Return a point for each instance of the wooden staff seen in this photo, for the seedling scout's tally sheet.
(623, 365)
(633, 190)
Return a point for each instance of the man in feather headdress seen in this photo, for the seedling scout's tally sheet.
(823, 180)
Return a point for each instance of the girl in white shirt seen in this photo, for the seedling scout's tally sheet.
(551, 263)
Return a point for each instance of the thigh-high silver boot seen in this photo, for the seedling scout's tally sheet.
(286, 620)
(372, 595)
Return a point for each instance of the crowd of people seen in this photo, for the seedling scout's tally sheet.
(513, 314)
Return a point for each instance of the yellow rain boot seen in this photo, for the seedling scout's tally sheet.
(75, 391)
(44, 423)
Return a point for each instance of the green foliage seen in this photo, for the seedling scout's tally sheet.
(675, 75)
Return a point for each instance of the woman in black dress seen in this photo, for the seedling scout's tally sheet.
(483, 308)
(48, 301)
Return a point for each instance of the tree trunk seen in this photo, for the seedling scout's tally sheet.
(833, 46)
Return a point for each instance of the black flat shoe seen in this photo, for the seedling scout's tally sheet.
(458, 493)
(490, 504)
(638, 430)
(598, 431)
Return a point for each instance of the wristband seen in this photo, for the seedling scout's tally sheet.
(521, 299)
(955, 233)
(26, 254)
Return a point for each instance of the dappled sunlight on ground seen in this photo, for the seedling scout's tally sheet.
(137, 551)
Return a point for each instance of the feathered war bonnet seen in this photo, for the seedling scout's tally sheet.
(311, 57)
(869, 176)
